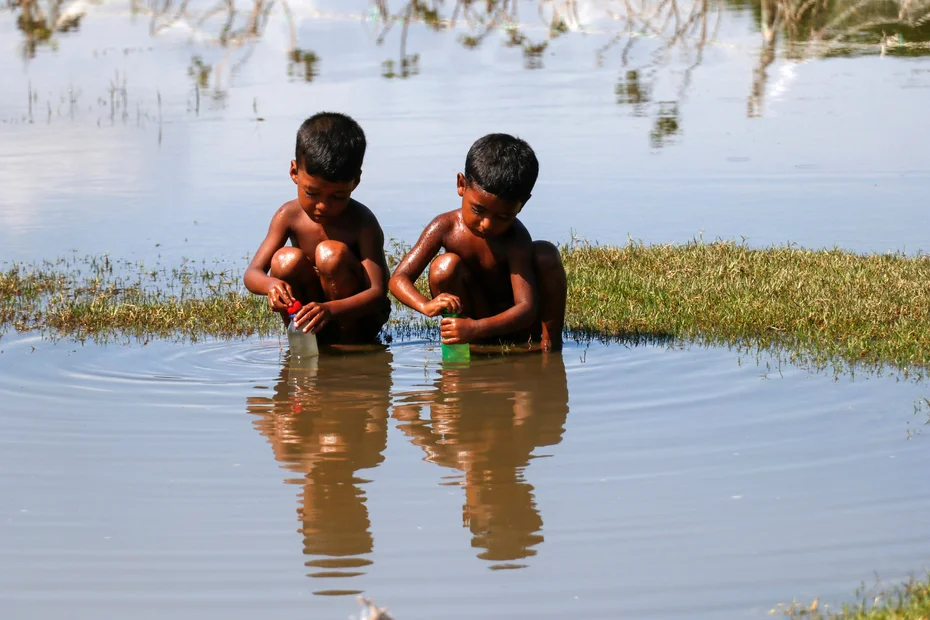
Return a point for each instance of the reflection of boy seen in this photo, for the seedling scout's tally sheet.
(335, 265)
(506, 286)
(328, 424)
(487, 420)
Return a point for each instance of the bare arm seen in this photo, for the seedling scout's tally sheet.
(256, 276)
(412, 265)
(520, 316)
(523, 280)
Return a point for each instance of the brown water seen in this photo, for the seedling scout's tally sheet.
(217, 480)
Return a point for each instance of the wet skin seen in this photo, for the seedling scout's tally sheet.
(506, 286)
(335, 265)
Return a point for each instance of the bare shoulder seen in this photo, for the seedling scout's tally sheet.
(362, 215)
(444, 222)
(287, 211)
(518, 237)
(440, 229)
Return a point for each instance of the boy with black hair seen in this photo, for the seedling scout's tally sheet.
(505, 286)
(335, 265)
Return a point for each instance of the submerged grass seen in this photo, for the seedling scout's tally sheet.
(821, 307)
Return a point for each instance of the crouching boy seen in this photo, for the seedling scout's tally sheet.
(505, 287)
(335, 264)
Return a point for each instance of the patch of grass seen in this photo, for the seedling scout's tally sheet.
(98, 299)
(818, 307)
(909, 601)
(101, 299)
(822, 306)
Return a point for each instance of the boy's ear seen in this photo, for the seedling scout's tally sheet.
(461, 184)
(293, 171)
(525, 200)
(357, 180)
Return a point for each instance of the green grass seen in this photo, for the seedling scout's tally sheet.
(818, 307)
(822, 307)
(101, 299)
(909, 601)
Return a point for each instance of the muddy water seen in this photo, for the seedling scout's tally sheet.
(219, 480)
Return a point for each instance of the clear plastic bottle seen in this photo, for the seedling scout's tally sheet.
(455, 353)
(302, 345)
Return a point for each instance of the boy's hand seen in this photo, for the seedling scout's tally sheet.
(457, 331)
(280, 296)
(313, 317)
(442, 303)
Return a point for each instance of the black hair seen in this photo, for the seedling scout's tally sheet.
(332, 146)
(502, 165)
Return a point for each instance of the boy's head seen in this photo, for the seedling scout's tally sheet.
(327, 163)
(500, 172)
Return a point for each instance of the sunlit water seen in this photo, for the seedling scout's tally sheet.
(216, 480)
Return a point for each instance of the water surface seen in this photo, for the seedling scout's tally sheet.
(221, 480)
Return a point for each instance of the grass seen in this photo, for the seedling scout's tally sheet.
(821, 306)
(101, 299)
(818, 307)
(909, 601)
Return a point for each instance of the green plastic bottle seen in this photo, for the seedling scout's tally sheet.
(455, 353)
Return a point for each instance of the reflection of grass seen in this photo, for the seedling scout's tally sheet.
(910, 601)
(822, 307)
(844, 27)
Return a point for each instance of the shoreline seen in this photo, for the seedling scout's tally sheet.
(820, 307)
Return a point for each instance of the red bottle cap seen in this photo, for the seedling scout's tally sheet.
(294, 307)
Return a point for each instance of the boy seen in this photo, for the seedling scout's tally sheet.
(335, 265)
(506, 287)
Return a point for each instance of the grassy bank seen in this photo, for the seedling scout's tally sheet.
(909, 601)
(822, 307)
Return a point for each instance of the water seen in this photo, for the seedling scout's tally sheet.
(217, 480)
(220, 480)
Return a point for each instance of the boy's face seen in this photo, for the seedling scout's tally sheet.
(320, 199)
(484, 214)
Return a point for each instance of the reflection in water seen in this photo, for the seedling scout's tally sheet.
(326, 421)
(39, 22)
(831, 28)
(303, 63)
(649, 42)
(479, 19)
(486, 420)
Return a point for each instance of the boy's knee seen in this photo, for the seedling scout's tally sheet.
(546, 256)
(330, 255)
(444, 267)
(287, 262)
